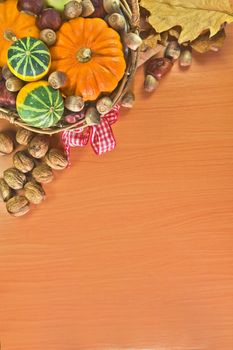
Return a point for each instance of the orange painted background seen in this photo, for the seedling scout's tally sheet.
(133, 250)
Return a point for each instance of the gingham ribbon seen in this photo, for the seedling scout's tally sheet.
(101, 136)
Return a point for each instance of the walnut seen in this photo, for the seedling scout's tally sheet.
(56, 159)
(42, 173)
(5, 190)
(23, 162)
(14, 178)
(38, 146)
(17, 206)
(34, 192)
(23, 136)
(6, 144)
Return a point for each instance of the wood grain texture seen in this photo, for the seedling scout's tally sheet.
(133, 250)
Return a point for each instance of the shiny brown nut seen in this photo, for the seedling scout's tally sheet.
(14, 178)
(17, 206)
(159, 67)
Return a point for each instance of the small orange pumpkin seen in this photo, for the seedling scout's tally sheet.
(91, 55)
(14, 24)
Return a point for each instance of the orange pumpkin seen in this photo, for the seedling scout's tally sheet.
(91, 55)
(14, 24)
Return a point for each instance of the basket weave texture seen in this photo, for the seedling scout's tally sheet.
(130, 9)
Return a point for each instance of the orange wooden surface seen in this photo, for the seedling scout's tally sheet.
(133, 250)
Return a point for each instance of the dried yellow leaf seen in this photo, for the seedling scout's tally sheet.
(194, 16)
(204, 43)
(152, 40)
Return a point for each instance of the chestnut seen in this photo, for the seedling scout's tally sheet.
(49, 18)
(158, 67)
(32, 7)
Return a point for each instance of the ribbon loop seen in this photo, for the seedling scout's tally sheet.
(101, 136)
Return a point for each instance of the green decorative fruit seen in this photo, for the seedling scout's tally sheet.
(29, 59)
(57, 4)
(39, 105)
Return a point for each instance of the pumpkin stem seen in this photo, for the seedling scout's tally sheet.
(84, 54)
(9, 35)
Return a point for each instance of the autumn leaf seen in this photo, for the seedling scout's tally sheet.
(149, 52)
(152, 40)
(193, 16)
(204, 43)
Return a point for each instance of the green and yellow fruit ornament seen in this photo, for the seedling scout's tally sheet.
(14, 24)
(29, 59)
(39, 105)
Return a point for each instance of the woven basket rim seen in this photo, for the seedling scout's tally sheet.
(130, 8)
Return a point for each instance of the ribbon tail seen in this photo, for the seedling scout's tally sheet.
(102, 138)
(74, 138)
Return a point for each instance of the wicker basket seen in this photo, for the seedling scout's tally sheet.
(130, 9)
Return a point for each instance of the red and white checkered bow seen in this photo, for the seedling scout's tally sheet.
(101, 136)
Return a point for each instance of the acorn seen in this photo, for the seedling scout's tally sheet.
(24, 136)
(48, 36)
(128, 100)
(6, 73)
(132, 40)
(74, 103)
(87, 8)
(6, 144)
(57, 79)
(49, 19)
(159, 67)
(7, 98)
(111, 6)
(17, 206)
(92, 116)
(73, 9)
(116, 21)
(173, 50)
(31, 7)
(5, 190)
(38, 146)
(14, 84)
(150, 83)
(34, 192)
(104, 105)
(185, 58)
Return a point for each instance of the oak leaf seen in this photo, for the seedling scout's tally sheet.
(204, 43)
(193, 16)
